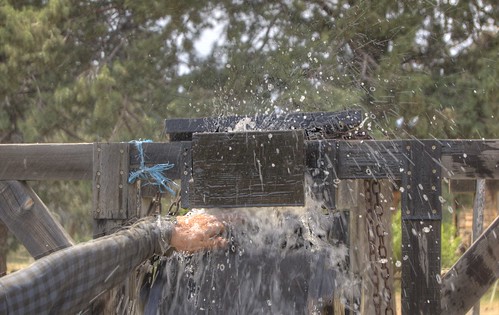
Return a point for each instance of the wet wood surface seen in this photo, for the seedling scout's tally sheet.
(473, 274)
(361, 159)
(254, 168)
(30, 221)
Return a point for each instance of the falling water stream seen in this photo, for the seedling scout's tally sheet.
(278, 261)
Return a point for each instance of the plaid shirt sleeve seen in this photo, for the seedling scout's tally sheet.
(66, 281)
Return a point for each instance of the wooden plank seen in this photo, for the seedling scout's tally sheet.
(110, 184)
(420, 267)
(472, 275)
(470, 159)
(329, 122)
(461, 159)
(46, 161)
(243, 169)
(421, 228)
(370, 159)
(322, 180)
(478, 208)
(30, 221)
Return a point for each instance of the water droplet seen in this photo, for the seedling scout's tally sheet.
(372, 89)
(230, 148)
(425, 197)
(449, 208)
(439, 279)
(420, 186)
(269, 302)
(401, 189)
(302, 98)
(398, 264)
(228, 66)
(426, 229)
(270, 136)
(405, 257)
(465, 155)
(441, 199)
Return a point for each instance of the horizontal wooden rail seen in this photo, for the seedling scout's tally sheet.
(71, 161)
(461, 159)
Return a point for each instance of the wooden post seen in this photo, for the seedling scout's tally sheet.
(478, 208)
(30, 221)
(421, 224)
(115, 202)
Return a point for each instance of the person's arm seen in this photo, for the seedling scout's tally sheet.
(68, 280)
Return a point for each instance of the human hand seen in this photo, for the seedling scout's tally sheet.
(197, 232)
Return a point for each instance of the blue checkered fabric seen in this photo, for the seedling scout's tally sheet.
(66, 281)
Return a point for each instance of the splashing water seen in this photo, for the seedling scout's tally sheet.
(278, 261)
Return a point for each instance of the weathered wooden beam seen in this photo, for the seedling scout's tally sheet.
(30, 221)
(321, 162)
(46, 161)
(471, 276)
(329, 122)
(461, 159)
(470, 159)
(248, 169)
(421, 228)
(478, 208)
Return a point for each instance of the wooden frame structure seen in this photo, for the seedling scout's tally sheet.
(300, 143)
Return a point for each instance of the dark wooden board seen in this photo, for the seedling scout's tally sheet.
(422, 181)
(470, 158)
(321, 161)
(46, 161)
(30, 221)
(461, 159)
(248, 169)
(465, 283)
(182, 128)
(421, 267)
(368, 159)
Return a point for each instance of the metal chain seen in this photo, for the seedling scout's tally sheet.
(378, 254)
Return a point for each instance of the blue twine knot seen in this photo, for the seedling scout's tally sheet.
(151, 175)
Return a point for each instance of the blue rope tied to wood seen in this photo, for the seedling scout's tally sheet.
(152, 175)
